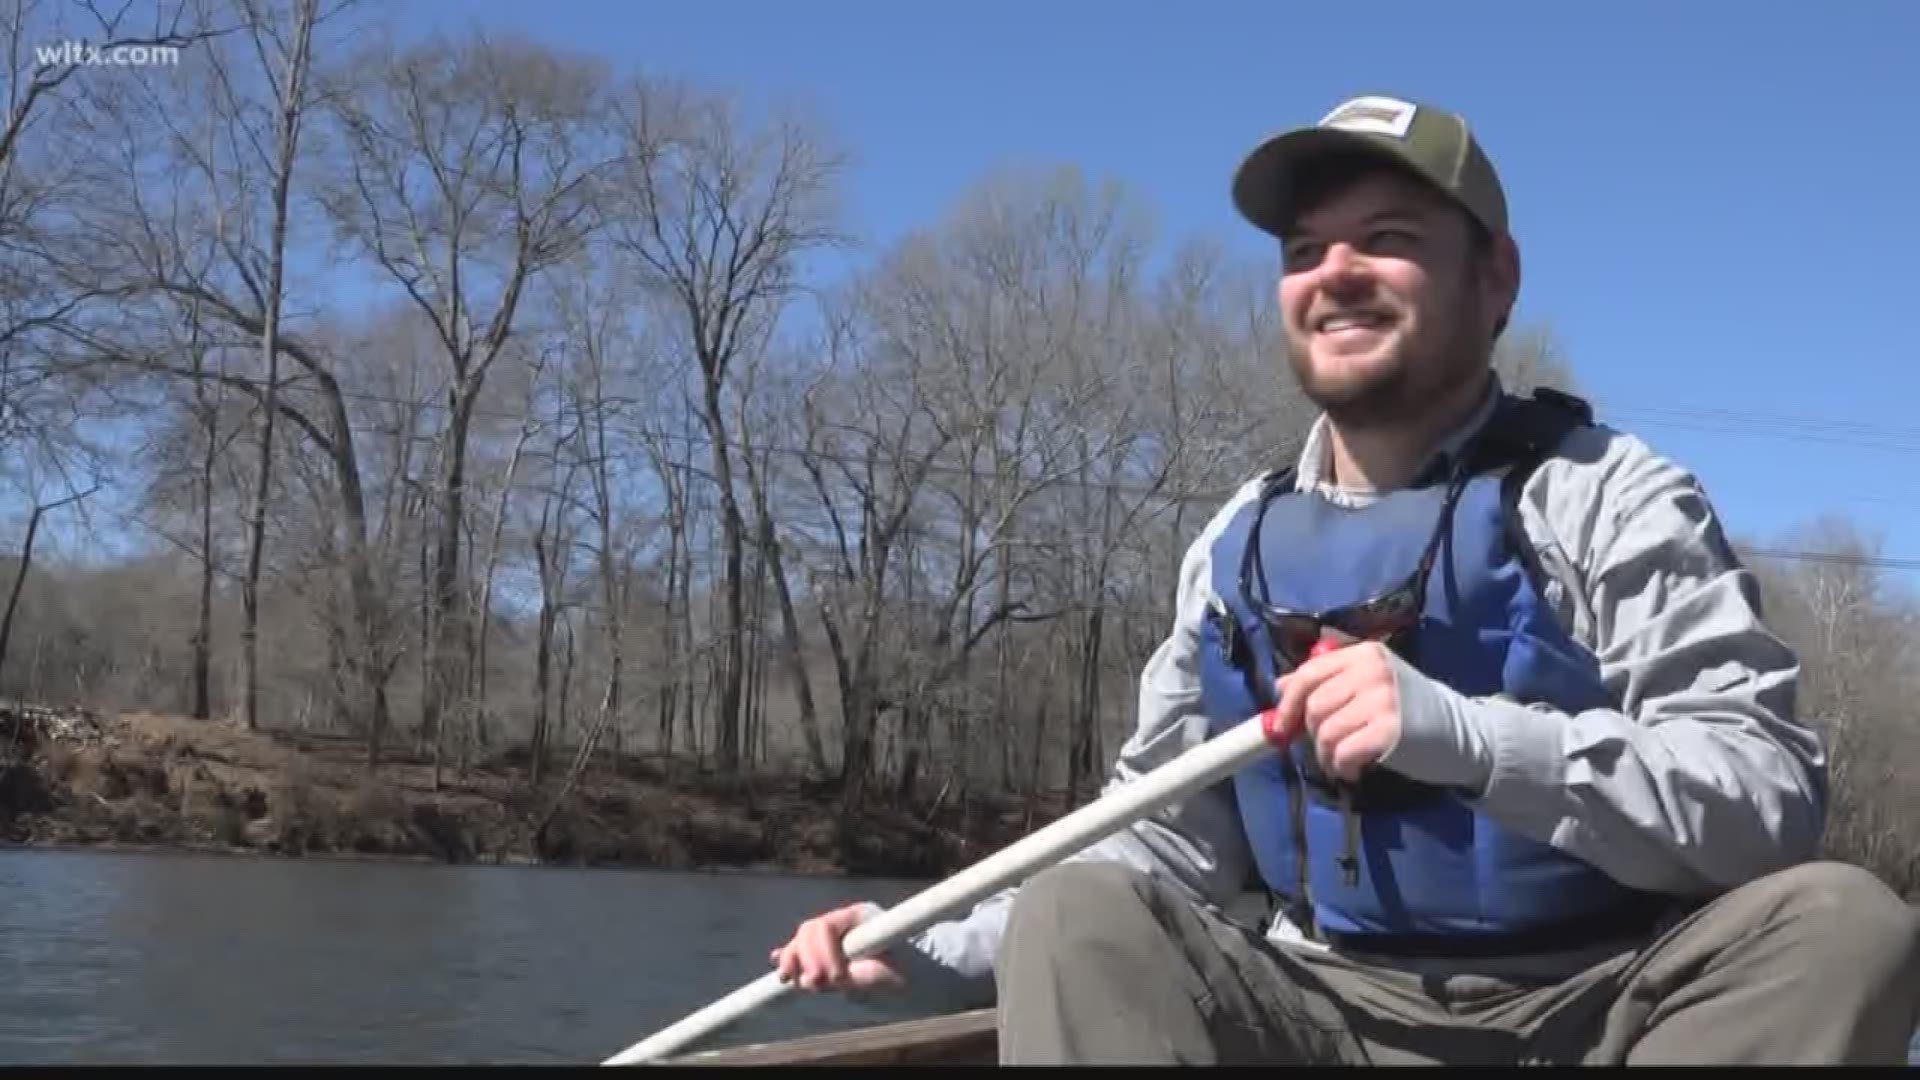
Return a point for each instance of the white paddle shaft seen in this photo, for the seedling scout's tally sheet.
(1200, 767)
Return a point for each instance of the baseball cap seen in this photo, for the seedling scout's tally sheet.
(1435, 144)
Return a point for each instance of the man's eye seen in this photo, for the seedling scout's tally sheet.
(1302, 256)
(1391, 240)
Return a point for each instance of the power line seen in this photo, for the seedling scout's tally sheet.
(1773, 425)
(1800, 429)
(1767, 430)
(1777, 420)
(1787, 427)
(1837, 558)
(732, 444)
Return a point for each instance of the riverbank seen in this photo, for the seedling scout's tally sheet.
(159, 782)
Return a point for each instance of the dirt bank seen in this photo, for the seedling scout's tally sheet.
(155, 781)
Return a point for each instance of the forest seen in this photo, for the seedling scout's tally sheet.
(474, 410)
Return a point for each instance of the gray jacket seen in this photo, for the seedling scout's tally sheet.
(1702, 778)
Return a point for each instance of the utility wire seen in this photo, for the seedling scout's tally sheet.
(1781, 426)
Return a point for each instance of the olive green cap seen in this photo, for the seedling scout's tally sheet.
(1435, 144)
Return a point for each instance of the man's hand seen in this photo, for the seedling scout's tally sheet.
(816, 958)
(1347, 700)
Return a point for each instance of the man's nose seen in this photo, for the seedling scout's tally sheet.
(1342, 267)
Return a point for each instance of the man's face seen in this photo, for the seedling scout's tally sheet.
(1385, 305)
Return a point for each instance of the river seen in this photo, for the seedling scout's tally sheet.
(135, 958)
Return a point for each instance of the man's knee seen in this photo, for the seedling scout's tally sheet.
(1837, 892)
(1847, 916)
(1077, 908)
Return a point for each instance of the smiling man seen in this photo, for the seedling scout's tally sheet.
(1541, 794)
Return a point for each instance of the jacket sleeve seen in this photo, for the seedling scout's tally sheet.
(1703, 777)
(1198, 843)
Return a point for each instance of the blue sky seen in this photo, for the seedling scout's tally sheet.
(1714, 200)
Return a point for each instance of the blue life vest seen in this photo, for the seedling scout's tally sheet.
(1392, 860)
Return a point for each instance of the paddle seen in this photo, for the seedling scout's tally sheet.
(1199, 767)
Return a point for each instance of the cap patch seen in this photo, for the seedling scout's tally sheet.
(1380, 115)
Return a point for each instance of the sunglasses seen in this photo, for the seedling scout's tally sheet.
(1388, 617)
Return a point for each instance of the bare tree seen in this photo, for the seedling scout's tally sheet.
(57, 61)
(26, 562)
(34, 295)
(552, 543)
(600, 387)
(470, 172)
(673, 471)
(285, 56)
(989, 425)
(217, 137)
(187, 448)
(774, 559)
(207, 401)
(883, 417)
(1853, 632)
(715, 216)
(1527, 357)
(46, 408)
(482, 625)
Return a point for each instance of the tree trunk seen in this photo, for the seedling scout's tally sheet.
(203, 625)
(288, 131)
(19, 581)
(565, 706)
(481, 625)
(613, 576)
(1081, 764)
(443, 650)
(542, 667)
(26, 561)
(669, 649)
(549, 548)
(368, 654)
(582, 755)
(256, 542)
(790, 650)
(732, 667)
(685, 658)
(425, 560)
(673, 664)
(755, 662)
(1002, 703)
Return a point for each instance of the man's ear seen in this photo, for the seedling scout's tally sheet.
(1502, 269)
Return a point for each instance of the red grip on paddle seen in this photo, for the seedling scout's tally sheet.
(1270, 718)
(1270, 727)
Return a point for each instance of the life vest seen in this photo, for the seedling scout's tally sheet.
(1392, 862)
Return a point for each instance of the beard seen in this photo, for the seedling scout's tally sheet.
(1417, 376)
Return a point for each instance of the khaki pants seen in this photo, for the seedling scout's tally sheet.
(1819, 964)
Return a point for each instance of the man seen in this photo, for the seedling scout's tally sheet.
(1544, 800)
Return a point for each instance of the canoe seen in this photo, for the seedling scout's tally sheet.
(966, 1038)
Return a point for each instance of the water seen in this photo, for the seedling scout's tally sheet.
(177, 959)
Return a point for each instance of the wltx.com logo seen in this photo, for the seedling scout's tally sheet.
(81, 54)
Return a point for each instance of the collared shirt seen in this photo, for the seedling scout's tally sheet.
(1315, 469)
